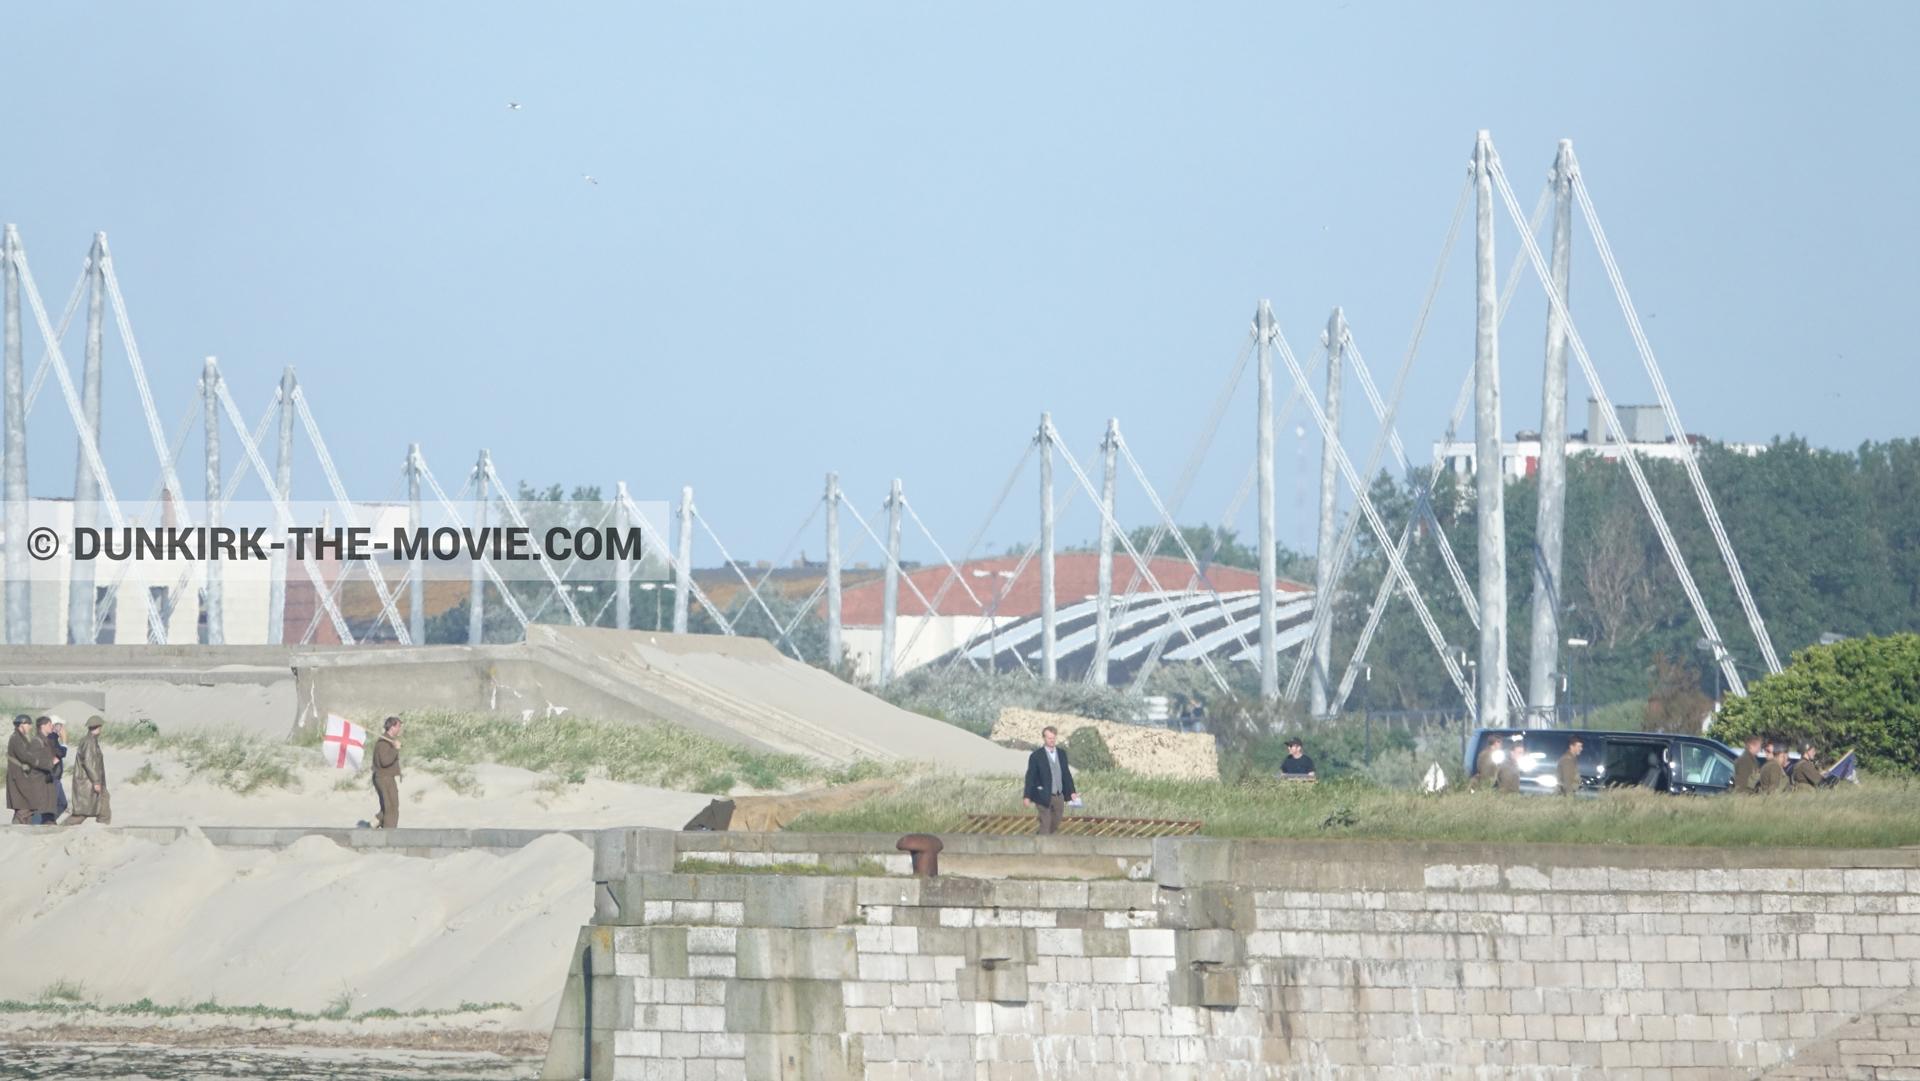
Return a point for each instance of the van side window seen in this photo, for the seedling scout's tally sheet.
(1703, 765)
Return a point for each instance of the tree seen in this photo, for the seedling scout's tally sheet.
(1674, 701)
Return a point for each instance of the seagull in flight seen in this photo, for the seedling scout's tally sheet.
(589, 176)
(513, 105)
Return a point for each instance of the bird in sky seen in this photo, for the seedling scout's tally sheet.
(589, 176)
(513, 105)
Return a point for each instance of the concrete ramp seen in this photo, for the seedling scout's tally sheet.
(741, 690)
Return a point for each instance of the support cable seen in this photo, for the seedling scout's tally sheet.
(347, 511)
(458, 519)
(953, 575)
(280, 505)
(752, 593)
(1158, 536)
(1422, 513)
(89, 439)
(1389, 432)
(513, 510)
(1687, 457)
(1080, 477)
(665, 551)
(1186, 549)
(167, 472)
(1026, 557)
(1628, 457)
(1396, 565)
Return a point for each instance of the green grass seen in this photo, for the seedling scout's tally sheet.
(1878, 813)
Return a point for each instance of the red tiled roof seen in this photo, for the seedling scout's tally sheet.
(1075, 578)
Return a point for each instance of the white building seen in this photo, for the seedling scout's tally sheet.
(1645, 426)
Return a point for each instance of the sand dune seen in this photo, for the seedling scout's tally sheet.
(188, 922)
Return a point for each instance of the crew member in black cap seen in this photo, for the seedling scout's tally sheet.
(1297, 764)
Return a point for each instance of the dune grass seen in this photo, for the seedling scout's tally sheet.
(571, 749)
(231, 759)
(1878, 813)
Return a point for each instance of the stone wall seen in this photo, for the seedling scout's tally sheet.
(1247, 959)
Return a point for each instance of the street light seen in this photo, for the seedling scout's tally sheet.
(1574, 643)
(1366, 707)
(1713, 646)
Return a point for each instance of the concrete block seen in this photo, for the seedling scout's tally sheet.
(618, 853)
(788, 901)
(1123, 895)
(804, 1057)
(1212, 946)
(1185, 862)
(774, 953)
(999, 944)
(888, 891)
(784, 1006)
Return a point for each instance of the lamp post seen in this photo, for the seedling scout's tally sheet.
(1574, 643)
(1366, 709)
(1714, 647)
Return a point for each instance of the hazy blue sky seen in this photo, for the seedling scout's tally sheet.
(881, 239)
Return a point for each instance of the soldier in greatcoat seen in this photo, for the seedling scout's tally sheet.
(90, 779)
(386, 774)
(29, 769)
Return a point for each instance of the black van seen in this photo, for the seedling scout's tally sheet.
(1692, 765)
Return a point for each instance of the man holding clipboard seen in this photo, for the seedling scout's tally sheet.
(1049, 785)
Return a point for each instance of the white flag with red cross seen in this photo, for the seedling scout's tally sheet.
(343, 743)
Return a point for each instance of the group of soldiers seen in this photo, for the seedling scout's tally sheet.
(1502, 772)
(1761, 769)
(37, 757)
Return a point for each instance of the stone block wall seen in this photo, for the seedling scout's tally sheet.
(1322, 960)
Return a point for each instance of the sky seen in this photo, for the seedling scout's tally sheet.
(883, 239)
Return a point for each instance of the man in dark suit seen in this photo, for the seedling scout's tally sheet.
(1049, 781)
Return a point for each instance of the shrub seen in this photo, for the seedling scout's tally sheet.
(1089, 751)
(1861, 694)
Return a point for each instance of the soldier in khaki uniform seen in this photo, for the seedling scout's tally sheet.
(1773, 775)
(1509, 778)
(1485, 770)
(386, 774)
(1746, 770)
(1569, 767)
(1806, 772)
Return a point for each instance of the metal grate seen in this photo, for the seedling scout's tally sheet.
(1008, 825)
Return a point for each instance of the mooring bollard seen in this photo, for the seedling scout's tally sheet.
(925, 850)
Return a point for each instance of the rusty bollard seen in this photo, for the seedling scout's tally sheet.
(925, 850)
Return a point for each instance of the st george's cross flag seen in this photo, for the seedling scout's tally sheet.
(343, 743)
